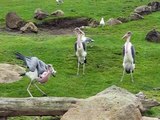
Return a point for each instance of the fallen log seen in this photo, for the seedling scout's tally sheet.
(51, 106)
(42, 106)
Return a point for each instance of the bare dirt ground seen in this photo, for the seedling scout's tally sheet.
(10, 73)
(59, 26)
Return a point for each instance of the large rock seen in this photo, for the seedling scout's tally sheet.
(136, 16)
(123, 19)
(29, 27)
(155, 6)
(57, 13)
(153, 36)
(13, 21)
(143, 10)
(113, 21)
(39, 14)
(112, 104)
(10, 73)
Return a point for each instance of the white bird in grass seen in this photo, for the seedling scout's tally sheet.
(38, 71)
(128, 56)
(80, 48)
(59, 1)
(102, 23)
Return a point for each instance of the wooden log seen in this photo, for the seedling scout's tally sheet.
(42, 106)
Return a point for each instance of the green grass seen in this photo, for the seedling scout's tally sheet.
(104, 67)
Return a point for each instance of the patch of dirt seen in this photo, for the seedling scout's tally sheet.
(65, 25)
(10, 73)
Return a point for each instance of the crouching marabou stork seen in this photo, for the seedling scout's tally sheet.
(80, 48)
(38, 71)
(128, 56)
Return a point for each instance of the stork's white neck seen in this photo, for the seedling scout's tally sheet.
(127, 44)
(128, 39)
(79, 42)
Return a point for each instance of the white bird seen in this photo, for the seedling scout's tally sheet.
(38, 71)
(102, 23)
(80, 49)
(59, 1)
(128, 56)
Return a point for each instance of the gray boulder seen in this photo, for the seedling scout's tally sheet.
(155, 6)
(113, 21)
(13, 21)
(113, 103)
(143, 10)
(136, 16)
(123, 19)
(153, 36)
(29, 27)
(57, 13)
(39, 14)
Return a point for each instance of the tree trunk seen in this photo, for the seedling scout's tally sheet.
(44, 106)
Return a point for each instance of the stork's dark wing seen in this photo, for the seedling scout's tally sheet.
(84, 46)
(41, 67)
(30, 62)
(123, 51)
(133, 53)
(75, 46)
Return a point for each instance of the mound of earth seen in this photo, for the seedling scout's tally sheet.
(10, 73)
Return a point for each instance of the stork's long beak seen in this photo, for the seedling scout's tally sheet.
(125, 36)
(54, 74)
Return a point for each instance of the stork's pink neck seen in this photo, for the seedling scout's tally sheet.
(44, 76)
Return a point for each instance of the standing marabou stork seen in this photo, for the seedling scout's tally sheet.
(128, 56)
(38, 71)
(80, 49)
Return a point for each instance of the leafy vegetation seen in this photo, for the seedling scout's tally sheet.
(104, 67)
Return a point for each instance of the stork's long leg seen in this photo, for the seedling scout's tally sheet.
(78, 68)
(83, 68)
(123, 75)
(132, 76)
(39, 89)
(28, 89)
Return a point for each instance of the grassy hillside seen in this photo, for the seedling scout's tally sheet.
(104, 67)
